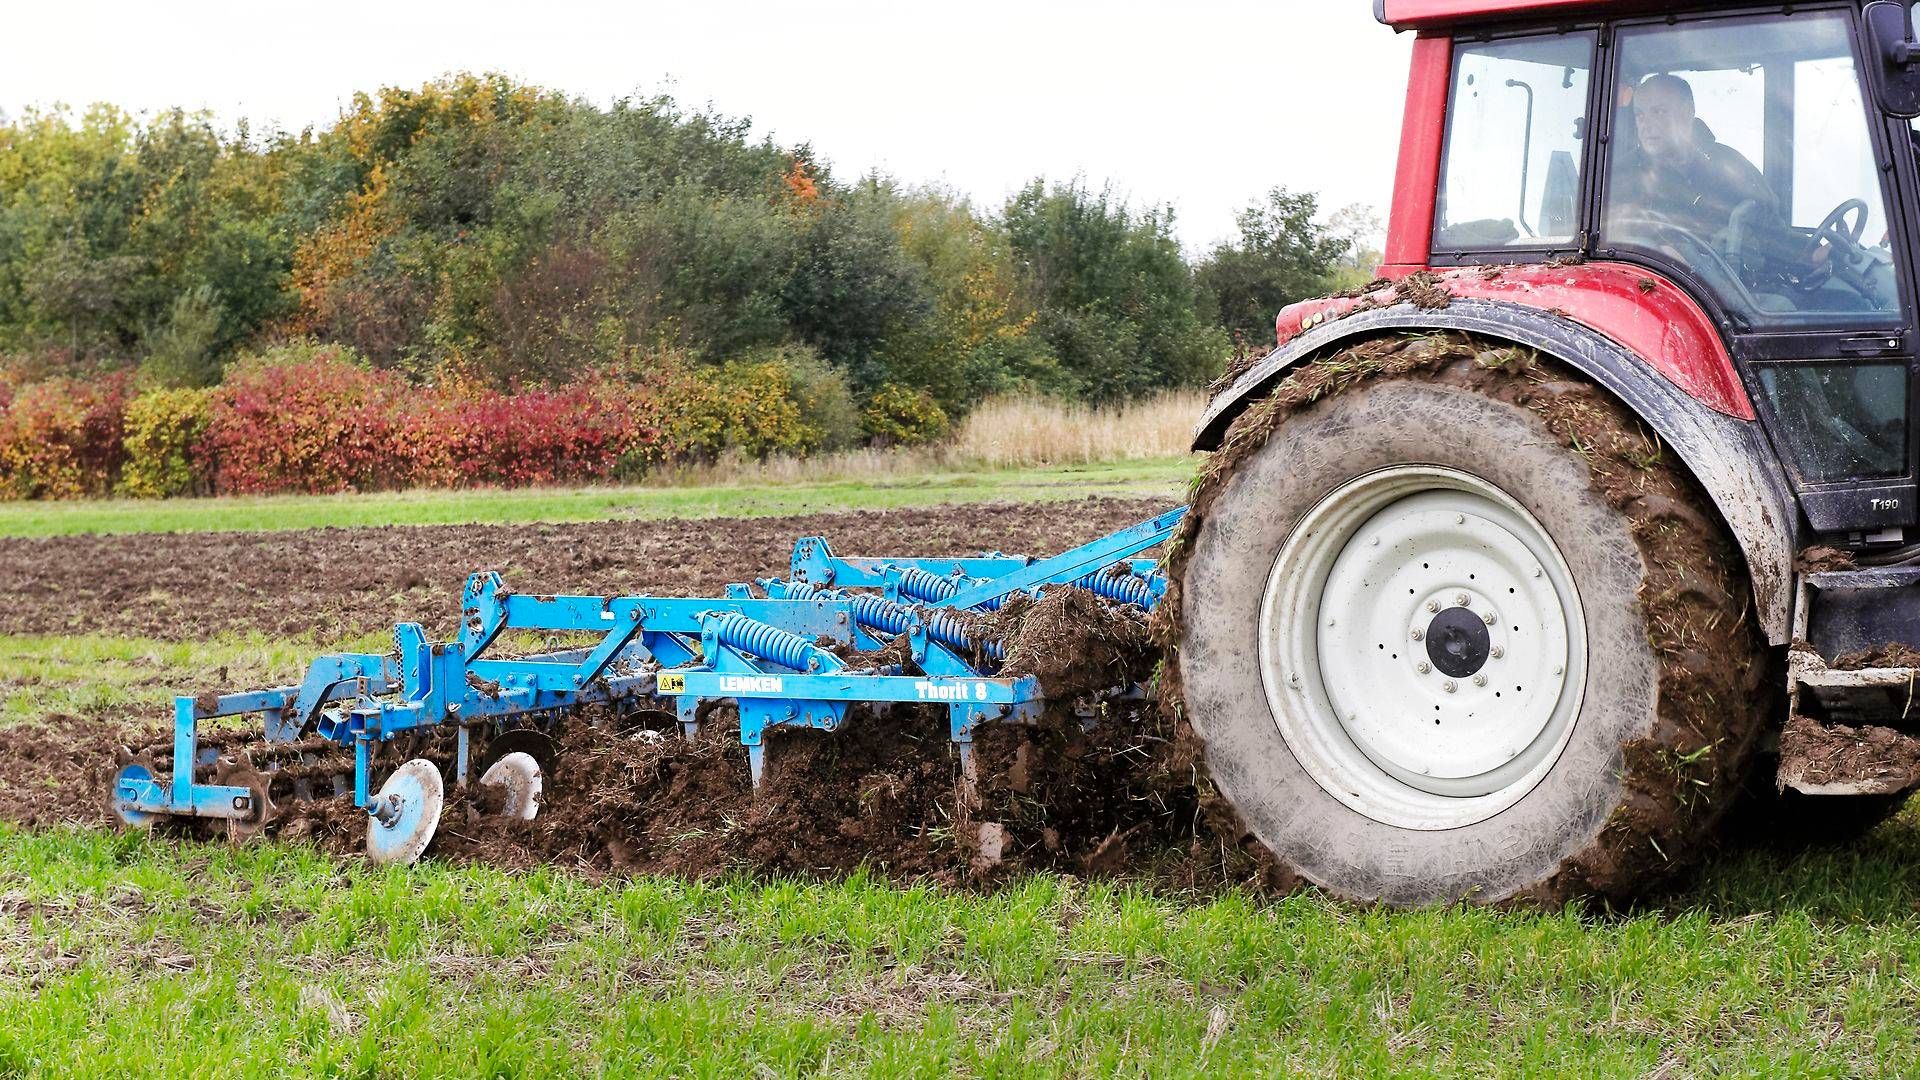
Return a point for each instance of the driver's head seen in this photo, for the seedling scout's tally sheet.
(1663, 113)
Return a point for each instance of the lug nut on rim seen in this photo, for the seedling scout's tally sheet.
(1461, 599)
(1448, 686)
(1423, 667)
(1433, 607)
(1498, 652)
(1491, 618)
(1479, 680)
(1419, 634)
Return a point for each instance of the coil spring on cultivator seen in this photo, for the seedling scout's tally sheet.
(1113, 583)
(878, 614)
(770, 642)
(766, 654)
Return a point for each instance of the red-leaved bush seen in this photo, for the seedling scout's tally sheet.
(61, 438)
(309, 419)
(572, 434)
(317, 419)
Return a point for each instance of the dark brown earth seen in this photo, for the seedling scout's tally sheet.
(1098, 789)
(1874, 760)
(1822, 558)
(335, 583)
(1892, 655)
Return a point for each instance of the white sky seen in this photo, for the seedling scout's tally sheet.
(1204, 104)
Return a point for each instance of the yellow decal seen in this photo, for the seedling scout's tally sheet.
(673, 684)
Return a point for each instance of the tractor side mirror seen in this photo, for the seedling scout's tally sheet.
(1895, 57)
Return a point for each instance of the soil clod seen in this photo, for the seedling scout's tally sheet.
(1832, 759)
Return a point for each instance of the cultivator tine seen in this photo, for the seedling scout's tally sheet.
(776, 656)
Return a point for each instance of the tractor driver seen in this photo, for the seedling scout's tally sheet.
(1682, 174)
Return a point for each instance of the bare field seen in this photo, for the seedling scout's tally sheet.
(880, 794)
(339, 583)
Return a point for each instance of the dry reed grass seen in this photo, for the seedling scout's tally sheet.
(1003, 433)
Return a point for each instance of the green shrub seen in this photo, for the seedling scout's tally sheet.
(829, 419)
(900, 416)
(165, 430)
(759, 412)
(782, 400)
(182, 351)
(693, 424)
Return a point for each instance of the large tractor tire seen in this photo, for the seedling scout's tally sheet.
(1453, 627)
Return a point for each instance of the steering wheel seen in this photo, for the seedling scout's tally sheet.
(1837, 217)
(1834, 238)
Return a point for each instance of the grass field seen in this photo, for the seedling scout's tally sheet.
(146, 956)
(122, 954)
(1164, 477)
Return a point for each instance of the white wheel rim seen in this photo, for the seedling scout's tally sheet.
(1423, 648)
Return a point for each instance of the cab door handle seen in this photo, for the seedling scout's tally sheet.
(1872, 344)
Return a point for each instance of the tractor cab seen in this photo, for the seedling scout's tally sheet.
(1753, 157)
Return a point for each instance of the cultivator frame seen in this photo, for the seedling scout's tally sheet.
(774, 648)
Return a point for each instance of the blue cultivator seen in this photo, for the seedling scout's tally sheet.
(776, 649)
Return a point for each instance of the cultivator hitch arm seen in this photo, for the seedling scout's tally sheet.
(776, 649)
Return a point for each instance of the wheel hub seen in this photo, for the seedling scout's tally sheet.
(1458, 642)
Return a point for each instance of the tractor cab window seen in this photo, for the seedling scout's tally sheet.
(1741, 152)
(1516, 132)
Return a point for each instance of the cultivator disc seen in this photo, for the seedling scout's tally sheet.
(531, 742)
(261, 812)
(137, 774)
(784, 653)
(403, 817)
(518, 777)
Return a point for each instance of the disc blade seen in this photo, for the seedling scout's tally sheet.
(519, 775)
(262, 812)
(535, 744)
(402, 818)
(140, 768)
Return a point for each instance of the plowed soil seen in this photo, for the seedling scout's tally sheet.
(336, 583)
(1100, 788)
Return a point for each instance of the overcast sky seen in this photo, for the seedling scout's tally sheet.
(1204, 104)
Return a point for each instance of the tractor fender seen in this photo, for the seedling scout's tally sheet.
(1729, 457)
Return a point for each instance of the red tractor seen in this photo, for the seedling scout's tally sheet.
(1594, 521)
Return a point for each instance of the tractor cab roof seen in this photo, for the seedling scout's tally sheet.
(1439, 14)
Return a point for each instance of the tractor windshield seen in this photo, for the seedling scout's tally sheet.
(1741, 152)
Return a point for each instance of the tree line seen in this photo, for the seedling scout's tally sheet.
(480, 232)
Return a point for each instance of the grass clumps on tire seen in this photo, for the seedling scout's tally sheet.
(1385, 758)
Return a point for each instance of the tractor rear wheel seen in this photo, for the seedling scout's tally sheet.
(1453, 631)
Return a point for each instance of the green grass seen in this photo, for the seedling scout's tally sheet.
(100, 674)
(1156, 478)
(97, 673)
(121, 953)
